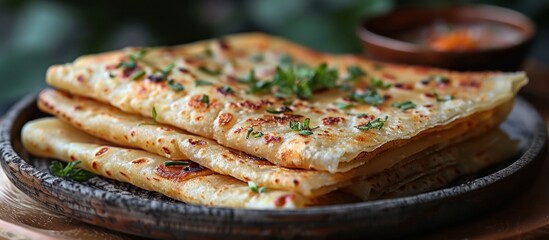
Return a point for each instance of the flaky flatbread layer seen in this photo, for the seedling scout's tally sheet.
(195, 96)
(438, 169)
(135, 131)
(53, 138)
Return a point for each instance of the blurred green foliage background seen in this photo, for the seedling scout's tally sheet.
(37, 34)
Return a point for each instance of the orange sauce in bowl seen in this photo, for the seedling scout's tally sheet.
(444, 36)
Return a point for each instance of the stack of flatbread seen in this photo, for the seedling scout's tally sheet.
(254, 121)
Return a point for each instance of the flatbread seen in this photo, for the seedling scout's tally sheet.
(438, 169)
(134, 131)
(52, 138)
(215, 104)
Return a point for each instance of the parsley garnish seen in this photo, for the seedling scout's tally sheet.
(206, 70)
(378, 83)
(281, 110)
(133, 58)
(441, 79)
(301, 81)
(355, 73)
(226, 90)
(208, 51)
(205, 99)
(200, 82)
(138, 74)
(369, 96)
(404, 105)
(79, 175)
(443, 98)
(175, 85)
(253, 134)
(176, 163)
(154, 116)
(168, 69)
(303, 128)
(257, 134)
(250, 130)
(255, 188)
(374, 124)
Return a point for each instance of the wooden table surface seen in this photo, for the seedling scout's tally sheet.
(525, 217)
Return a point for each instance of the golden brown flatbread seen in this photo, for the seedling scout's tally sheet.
(193, 184)
(134, 131)
(290, 105)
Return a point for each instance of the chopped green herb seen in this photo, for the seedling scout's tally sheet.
(208, 51)
(441, 79)
(176, 163)
(226, 90)
(404, 105)
(443, 98)
(257, 57)
(154, 116)
(133, 58)
(138, 74)
(112, 75)
(378, 83)
(254, 188)
(250, 130)
(369, 96)
(342, 105)
(200, 82)
(257, 134)
(303, 128)
(168, 69)
(281, 110)
(175, 85)
(206, 70)
(374, 124)
(355, 73)
(300, 81)
(205, 99)
(69, 171)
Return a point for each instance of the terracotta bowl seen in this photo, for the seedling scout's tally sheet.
(377, 36)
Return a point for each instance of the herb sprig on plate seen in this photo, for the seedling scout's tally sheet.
(69, 171)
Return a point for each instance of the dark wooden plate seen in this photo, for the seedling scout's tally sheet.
(124, 208)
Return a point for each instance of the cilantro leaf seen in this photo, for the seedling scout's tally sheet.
(254, 188)
(303, 128)
(205, 99)
(378, 83)
(369, 96)
(355, 73)
(404, 105)
(175, 86)
(374, 124)
(69, 171)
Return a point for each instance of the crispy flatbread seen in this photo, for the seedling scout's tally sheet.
(207, 92)
(129, 130)
(438, 169)
(52, 138)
